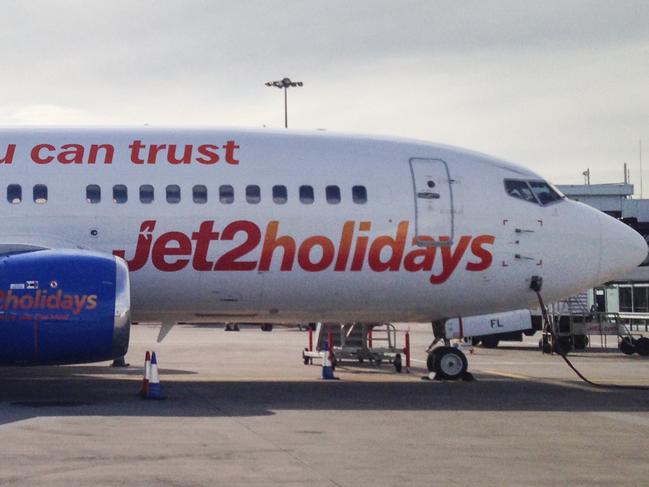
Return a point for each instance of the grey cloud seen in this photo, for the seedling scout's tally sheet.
(557, 85)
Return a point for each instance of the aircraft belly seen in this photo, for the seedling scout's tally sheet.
(155, 290)
(229, 293)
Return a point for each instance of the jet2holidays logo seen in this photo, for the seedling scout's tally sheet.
(355, 248)
(27, 298)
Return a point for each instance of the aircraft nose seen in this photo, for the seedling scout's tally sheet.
(622, 248)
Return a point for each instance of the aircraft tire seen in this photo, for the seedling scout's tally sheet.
(398, 365)
(545, 347)
(490, 342)
(306, 359)
(580, 342)
(430, 361)
(563, 345)
(450, 363)
(642, 346)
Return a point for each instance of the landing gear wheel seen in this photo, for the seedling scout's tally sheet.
(475, 341)
(430, 361)
(563, 345)
(490, 341)
(626, 347)
(545, 346)
(398, 366)
(267, 327)
(306, 359)
(580, 342)
(642, 346)
(450, 363)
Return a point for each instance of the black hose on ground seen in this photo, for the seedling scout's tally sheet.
(536, 287)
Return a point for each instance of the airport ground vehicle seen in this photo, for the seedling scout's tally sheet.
(490, 329)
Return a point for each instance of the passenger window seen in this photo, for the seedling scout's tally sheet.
(120, 194)
(199, 193)
(226, 194)
(146, 193)
(280, 195)
(333, 195)
(93, 193)
(40, 194)
(253, 194)
(173, 194)
(14, 193)
(544, 192)
(519, 189)
(306, 195)
(359, 195)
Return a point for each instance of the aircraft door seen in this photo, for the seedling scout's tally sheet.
(600, 299)
(433, 201)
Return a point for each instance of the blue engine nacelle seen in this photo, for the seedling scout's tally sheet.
(63, 307)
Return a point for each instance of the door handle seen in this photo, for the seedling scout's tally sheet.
(428, 196)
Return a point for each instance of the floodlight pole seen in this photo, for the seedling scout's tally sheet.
(285, 83)
(285, 107)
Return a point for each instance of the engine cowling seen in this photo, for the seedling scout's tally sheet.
(63, 307)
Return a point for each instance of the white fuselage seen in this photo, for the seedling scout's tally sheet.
(259, 258)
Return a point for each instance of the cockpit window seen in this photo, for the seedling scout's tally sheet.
(538, 192)
(544, 192)
(520, 190)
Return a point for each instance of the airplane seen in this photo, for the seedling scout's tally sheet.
(104, 226)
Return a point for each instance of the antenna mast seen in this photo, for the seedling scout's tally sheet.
(640, 153)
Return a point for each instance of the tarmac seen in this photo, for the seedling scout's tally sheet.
(242, 409)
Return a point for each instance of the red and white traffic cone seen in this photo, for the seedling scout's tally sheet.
(144, 391)
(155, 391)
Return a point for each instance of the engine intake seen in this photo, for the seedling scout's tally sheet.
(63, 307)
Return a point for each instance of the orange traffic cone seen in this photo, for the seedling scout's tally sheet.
(144, 391)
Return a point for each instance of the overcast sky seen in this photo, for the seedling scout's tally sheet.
(558, 86)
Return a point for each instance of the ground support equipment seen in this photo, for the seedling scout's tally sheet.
(374, 343)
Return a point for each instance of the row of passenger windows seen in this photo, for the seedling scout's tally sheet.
(226, 194)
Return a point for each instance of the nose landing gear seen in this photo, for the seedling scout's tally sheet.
(447, 363)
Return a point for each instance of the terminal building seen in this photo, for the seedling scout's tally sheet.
(628, 296)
